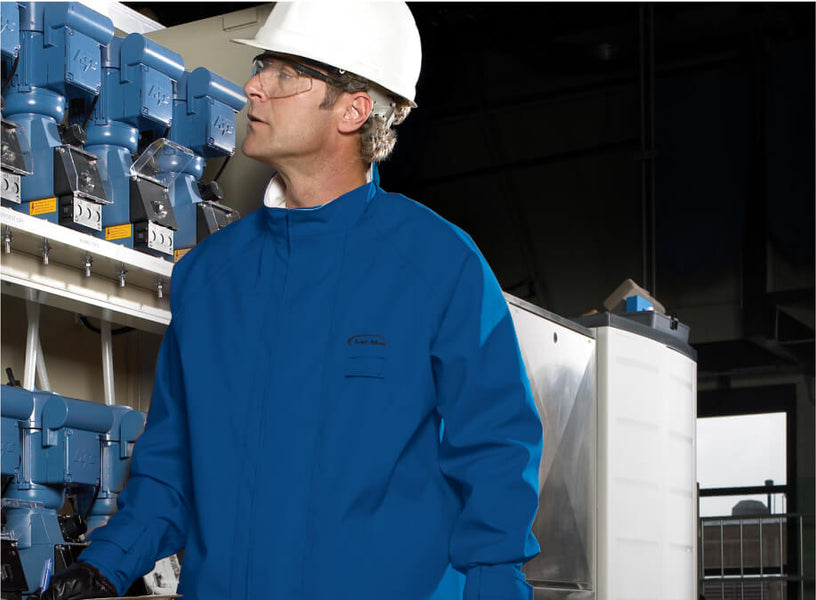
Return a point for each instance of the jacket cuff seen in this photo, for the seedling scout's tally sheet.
(104, 556)
(497, 582)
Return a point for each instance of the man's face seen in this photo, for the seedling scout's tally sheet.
(284, 128)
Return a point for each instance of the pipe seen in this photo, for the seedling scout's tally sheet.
(647, 146)
(107, 363)
(761, 561)
(42, 374)
(801, 558)
(32, 344)
(742, 558)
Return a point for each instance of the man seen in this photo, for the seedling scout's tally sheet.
(340, 408)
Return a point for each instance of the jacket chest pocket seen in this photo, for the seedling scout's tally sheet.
(364, 366)
(365, 356)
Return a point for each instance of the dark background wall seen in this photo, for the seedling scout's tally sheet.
(543, 130)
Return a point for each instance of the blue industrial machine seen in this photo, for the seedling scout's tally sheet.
(59, 57)
(135, 104)
(16, 411)
(62, 448)
(10, 40)
(79, 104)
(15, 154)
(117, 447)
(203, 121)
(17, 407)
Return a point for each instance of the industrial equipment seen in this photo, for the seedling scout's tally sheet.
(151, 211)
(60, 45)
(14, 153)
(135, 105)
(617, 507)
(61, 448)
(560, 357)
(117, 447)
(647, 485)
(81, 103)
(14, 159)
(203, 121)
(10, 40)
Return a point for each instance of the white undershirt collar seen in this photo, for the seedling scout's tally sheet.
(274, 196)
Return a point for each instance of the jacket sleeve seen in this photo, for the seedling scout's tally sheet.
(492, 437)
(153, 508)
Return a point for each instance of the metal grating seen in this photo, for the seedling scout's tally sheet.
(751, 558)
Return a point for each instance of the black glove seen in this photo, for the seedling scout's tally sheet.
(77, 582)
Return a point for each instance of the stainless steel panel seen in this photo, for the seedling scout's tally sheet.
(560, 362)
(562, 594)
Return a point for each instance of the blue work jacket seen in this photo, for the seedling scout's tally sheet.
(340, 410)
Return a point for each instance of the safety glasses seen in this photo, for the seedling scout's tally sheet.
(281, 78)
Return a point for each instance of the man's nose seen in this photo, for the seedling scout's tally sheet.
(252, 88)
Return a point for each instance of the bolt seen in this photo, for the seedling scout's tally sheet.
(86, 180)
(160, 288)
(7, 237)
(122, 273)
(88, 264)
(46, 249)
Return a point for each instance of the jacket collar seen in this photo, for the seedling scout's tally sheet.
(339, 214)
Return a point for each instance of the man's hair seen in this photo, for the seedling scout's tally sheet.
(378, 138)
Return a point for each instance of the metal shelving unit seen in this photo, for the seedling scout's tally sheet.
(83, 273)
(142, 302)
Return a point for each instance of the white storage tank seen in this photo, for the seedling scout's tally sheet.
(647, 500)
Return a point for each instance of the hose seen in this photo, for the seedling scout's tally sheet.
(87, 324)
(221, 168)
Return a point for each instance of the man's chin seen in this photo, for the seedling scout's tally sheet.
(263, 154)
(248, 150)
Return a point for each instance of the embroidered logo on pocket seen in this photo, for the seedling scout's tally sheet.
(367, 340)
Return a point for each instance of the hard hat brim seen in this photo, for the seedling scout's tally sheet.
(254, 43)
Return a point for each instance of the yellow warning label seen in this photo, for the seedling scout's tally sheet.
(118, 232)
(179, 254)
(42, 207)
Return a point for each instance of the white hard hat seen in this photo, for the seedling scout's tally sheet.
(375, 40)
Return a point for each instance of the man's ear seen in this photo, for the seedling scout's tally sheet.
(357, 108)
